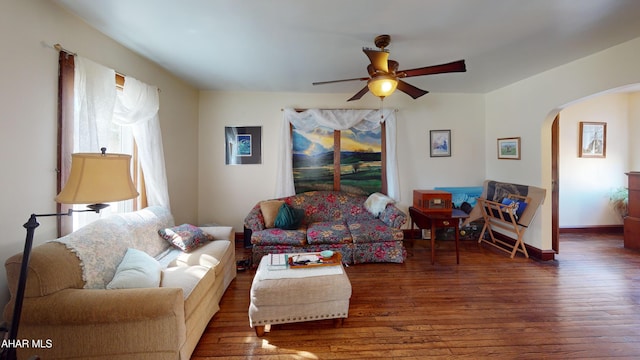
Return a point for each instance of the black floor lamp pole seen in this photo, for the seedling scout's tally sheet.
(31, 226)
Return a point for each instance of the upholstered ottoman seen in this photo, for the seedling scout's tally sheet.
(295, 295)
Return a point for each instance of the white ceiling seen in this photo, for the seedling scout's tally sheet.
(285, 45)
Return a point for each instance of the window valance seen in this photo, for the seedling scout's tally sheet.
(341, 119)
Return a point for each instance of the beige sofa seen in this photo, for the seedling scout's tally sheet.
(68, 305)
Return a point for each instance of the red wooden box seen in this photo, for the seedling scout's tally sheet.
(432, 200)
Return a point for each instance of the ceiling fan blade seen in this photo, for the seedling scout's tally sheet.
(410, 90)
(359, 94)
(455, 66)
(343, 80)
(378, 59)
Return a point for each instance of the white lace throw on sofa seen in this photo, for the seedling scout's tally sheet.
(101, 245)
(338, 120)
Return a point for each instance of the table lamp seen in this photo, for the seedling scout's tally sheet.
(95, 179)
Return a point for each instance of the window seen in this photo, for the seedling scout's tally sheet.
(120, 141)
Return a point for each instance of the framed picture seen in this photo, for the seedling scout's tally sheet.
(509, 148)
(243, 145)
(593, 139)
(440, 143)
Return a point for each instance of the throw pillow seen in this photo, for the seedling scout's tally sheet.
(377, 202)
(289, 218)
(136, 270)
(518, 206)
(185, 237)
(270, 210)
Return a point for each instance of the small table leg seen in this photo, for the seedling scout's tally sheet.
(457, 252)
(433, 243)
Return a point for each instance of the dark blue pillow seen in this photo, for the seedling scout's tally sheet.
(518, 206)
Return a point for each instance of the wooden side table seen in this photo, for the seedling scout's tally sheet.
(433, 220)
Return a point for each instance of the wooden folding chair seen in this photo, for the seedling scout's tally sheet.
(502, 216)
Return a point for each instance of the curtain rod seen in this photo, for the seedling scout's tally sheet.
(61, 48)
(282, 109)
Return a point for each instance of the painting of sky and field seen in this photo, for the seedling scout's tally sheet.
(360, 160)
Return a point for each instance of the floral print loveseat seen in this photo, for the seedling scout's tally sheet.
(335, 221)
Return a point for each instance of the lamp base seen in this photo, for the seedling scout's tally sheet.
(97, 207)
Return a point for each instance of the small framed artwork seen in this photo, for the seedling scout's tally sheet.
(593, 139)
(509, 148)
(243, 145)
(440, 143)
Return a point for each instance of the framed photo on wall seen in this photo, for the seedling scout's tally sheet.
(509, 148)
(593, 139)
(243, 145)
(439, 143)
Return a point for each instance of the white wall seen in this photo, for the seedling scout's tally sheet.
(228, 192)
(586, 183)
(634, 131)
(527, 109)
(28, 102)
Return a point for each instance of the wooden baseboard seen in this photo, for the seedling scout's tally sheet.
(534, 252)
(600, 229)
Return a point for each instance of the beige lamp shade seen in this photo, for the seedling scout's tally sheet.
(382, 85)
(98, 178)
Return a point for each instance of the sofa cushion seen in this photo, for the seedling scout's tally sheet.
(136, 270)
(371, 231)
(331, 206)
(328, 232)
(142, 227)
(185, 237)
(388, 252)
(184, 277)
(270, 210)
(277, 236)
(208, 255)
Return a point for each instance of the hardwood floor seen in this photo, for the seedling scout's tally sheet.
(583, 305)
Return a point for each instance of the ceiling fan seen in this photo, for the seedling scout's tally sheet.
(384, 76)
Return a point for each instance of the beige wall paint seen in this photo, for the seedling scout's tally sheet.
(634, 131)
(527, 109)
(28, 29)
(228, 192)
(586, 183)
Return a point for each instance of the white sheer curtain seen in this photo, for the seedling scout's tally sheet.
(337, 120)
(94, 99)
(98, 105)
(137, 106)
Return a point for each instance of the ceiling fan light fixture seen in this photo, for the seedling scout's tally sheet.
(382, 85)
